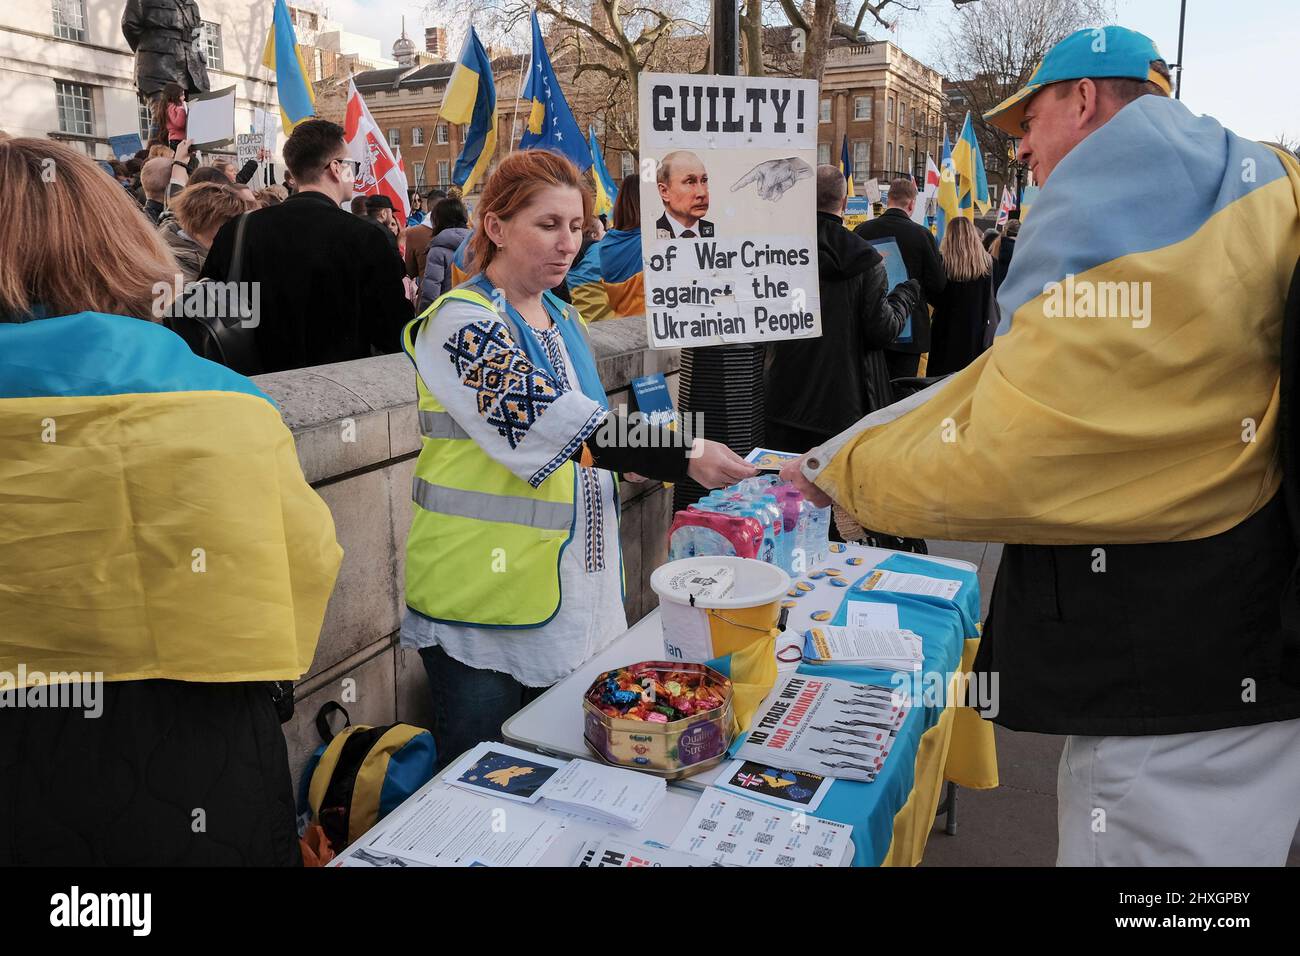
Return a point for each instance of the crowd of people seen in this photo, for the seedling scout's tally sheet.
(516, 460)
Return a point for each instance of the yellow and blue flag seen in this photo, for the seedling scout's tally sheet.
(845, 166)
(158, 526)
(622, 270)
(471, 99)
(550, 121)
(585, 288)
(605, 188)
(968, 162)
(946, 199)
(283, 55)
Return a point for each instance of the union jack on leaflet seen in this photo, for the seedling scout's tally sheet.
(749, 780)
(381, 172)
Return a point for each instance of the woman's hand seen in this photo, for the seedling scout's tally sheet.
(182, 151)
(714, 465)
(792, 471)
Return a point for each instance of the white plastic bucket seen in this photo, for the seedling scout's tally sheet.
(699, 628)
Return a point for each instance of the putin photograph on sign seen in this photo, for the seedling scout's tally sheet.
(684, 189)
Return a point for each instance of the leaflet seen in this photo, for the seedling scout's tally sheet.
(826, 726)
(892, 649)
(732, 830)
(444, 826)
(897, 581)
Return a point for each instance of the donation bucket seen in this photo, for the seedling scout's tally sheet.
(712, 606)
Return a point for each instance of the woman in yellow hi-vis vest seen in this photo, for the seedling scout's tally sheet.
(513, 567)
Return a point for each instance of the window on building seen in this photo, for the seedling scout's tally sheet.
(442, 133)
(861, 160)
(417, 135)
(911, 161)
(889, 155)
(146, 123)
(824, 116)
(627, 166)
(862, 107)
(444, 178)
(823, 154)
(76, 108)
(419, 175)
(212, 44)
(394, 138)
(889, 111)
(70, 19)
(900, 167)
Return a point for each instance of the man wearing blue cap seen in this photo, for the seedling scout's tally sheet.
(1126, 437)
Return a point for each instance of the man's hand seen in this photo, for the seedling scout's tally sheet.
(714, 465)
(183, 151)
(774, 177)
(792, 471)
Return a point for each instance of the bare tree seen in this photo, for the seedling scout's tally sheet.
(824, 21)
(1288, 142)
(990, 49)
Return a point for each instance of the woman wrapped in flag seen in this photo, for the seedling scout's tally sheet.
(621, 268)
(162, 560)
(513, 565)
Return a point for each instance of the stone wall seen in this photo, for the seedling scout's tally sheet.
(357, 434)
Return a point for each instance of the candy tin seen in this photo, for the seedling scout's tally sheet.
(645, 717)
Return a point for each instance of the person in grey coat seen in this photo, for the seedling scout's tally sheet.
(450, 227)
(162, 34)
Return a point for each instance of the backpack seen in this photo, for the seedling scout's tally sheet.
(360, 775)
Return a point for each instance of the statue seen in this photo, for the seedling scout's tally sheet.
(166, 37)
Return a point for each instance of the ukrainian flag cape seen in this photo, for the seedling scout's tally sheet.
(585, 287)
(622, 271)
(1132, 392)
(154, 520)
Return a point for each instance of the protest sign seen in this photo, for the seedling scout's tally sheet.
(728, 199)
(126, 145)
(211, 120)
(247, 146)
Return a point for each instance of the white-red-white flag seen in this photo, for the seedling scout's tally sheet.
(1008, 204)
(928, 190)
(381, 173)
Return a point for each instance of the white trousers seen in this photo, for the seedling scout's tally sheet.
(1216, 798)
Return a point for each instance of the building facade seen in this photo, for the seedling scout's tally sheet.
(890, 106)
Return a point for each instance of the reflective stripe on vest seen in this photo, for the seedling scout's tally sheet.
(440, 425)
(545, 515)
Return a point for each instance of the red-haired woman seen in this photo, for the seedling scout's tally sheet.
(513, 568)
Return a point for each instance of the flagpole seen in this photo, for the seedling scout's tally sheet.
(519, 92)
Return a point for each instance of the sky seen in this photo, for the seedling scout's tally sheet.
(1240, 57)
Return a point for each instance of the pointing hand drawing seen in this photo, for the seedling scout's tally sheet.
(775, 177)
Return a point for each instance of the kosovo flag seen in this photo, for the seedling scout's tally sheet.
(550, 123)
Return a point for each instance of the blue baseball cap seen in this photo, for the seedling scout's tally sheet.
(1099, 53)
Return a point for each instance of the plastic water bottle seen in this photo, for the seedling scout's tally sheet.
(795, 520)
(785, 541)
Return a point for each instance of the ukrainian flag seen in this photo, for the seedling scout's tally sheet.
(846, 167)
(157, 524)
(283, 55)
(585, 287)
(622, 271)
(946, 199)
(968, 161)
(605, 188)
(461, 269)
(471, 98)
(550, 121)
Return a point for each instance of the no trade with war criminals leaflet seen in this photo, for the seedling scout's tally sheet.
(728, 209)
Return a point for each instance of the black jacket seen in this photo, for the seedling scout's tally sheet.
(331, 285)
(1003, 262)
(921, 256)
(161, 35)
(962, 316)
(826, 384)
(121, 789)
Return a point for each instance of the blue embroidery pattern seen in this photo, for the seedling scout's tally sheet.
(511, 393)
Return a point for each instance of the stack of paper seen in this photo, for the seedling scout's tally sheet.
(609, 794)
(834, 728)
(893, 649)
(614, 852)
(729, 829)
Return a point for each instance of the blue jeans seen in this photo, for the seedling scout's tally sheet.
(469, 705)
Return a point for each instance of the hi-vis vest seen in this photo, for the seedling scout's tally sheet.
(485, 545)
